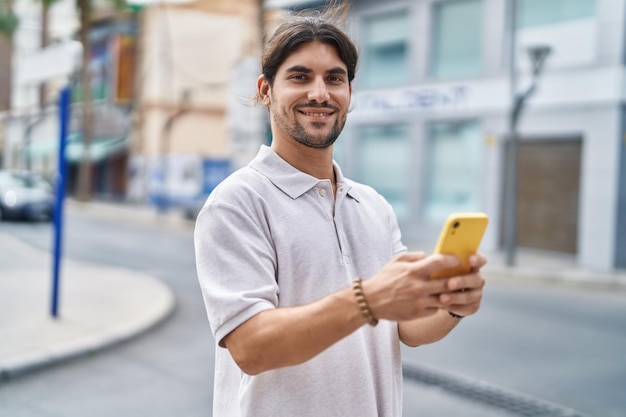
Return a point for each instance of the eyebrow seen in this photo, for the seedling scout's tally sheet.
(306, 70)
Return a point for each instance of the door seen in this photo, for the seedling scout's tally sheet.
(548, 181)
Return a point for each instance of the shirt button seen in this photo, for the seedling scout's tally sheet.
(322, 192)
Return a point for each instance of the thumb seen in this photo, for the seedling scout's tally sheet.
(436, 263)
(411, 256)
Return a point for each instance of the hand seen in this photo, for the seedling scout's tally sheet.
(465, 291)
(403, 290)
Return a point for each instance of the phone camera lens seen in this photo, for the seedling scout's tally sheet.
(456, 225)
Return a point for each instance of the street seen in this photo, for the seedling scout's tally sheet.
(165, 372)
(560, 344)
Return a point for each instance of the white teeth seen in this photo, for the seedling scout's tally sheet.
(317, 114)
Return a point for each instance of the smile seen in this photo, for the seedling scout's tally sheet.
(315, 114)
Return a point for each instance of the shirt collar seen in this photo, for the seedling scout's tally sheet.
(289, 179)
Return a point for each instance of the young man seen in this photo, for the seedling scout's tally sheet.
(282, 246)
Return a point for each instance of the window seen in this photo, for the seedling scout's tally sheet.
(386, 49)
(457, 38)
(453, 169)
(382, 162)
(540, 12)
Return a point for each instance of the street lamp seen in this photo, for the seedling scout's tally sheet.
(537, 56)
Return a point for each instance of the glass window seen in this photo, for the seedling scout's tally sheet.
(382, 161)
(540, 12)
(457, 38)
(453, 169)
(386, 49)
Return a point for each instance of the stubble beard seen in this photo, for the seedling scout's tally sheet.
(300, 135)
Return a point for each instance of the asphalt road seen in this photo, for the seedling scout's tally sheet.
(166, 372)
(559, 344)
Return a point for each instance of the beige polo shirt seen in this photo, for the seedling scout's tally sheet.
(272, 236)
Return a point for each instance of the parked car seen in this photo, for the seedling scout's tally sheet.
(25, 195)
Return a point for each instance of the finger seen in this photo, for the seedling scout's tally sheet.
(435, 263)
(461, 298)
(432, 301)
(435, 286)
(477, 261)
(466, 282)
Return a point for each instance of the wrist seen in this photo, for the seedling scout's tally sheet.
(455, 316)
(361, 301)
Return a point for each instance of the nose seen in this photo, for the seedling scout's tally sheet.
(318, 91)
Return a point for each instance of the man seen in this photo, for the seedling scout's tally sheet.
(308, 288)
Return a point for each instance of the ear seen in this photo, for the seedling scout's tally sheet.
(263, 90)
(351, 105)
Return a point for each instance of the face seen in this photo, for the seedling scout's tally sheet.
(310, 97)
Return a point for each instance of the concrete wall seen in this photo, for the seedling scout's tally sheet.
(189, 57)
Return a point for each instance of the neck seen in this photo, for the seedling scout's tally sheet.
(317, 162)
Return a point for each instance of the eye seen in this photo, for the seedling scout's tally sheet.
(298, 77)
(335, 79)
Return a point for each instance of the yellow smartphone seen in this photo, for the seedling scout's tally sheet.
(461, 236)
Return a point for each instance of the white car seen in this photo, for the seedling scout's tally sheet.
(25, 195)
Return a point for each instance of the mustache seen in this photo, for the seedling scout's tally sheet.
(315, 104)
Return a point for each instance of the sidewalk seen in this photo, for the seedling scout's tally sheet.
(537, 267)
(99, 306)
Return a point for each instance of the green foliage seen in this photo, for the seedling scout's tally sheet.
(46, 2)
(8, 21)
(110, 5)
(120, 4)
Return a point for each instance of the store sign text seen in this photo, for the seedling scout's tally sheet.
(412, 99)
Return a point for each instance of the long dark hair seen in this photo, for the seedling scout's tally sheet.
(304, 27)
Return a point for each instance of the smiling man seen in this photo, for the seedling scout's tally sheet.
(323, 104)
(308, 288)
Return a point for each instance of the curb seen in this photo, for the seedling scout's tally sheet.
(95, 315)
(72, 350)
(39, 359)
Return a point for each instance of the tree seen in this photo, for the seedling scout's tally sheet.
(84, 171)
(9, 23)
(44, 41)
(8, 26)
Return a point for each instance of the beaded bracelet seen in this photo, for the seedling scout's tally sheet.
(362, 303)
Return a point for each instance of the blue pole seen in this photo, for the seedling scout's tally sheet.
(64, 118)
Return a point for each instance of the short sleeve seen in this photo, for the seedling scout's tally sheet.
(235, 263)
(396, 234)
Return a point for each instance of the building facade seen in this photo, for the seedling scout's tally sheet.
(194, 120)
(431, 113)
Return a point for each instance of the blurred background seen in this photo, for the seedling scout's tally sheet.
(438, 96)
(511, 107)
